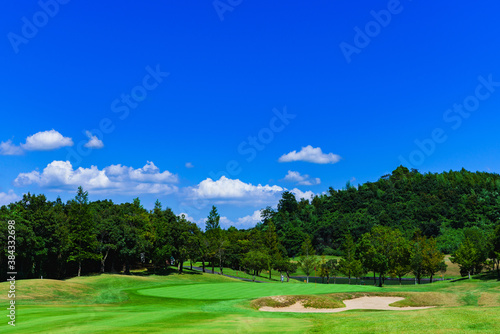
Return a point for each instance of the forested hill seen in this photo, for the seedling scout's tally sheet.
(441, 205)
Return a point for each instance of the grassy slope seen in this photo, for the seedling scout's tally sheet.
(452, 271)
(194, 303)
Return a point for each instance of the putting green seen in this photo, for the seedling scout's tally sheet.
(218, 291)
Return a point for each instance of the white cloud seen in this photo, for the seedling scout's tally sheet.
(225, 223)
(7, 198)
(7, 148)
(310, 154)
(46, 141)
(60, 175)
(189, 165)
(304, 180)
(242, 222)
(149, 174)
(227, 190)
(200, 222)
(302, 194)
(40, 141)
(250, 220)
(93, 142)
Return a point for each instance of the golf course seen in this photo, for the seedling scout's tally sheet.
(204, 303)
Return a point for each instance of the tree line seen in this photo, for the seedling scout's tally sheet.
(375, 227)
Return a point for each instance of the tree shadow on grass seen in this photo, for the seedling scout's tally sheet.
(165, 272)
(487, 276)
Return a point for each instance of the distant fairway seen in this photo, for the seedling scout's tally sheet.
(204, 303)
(249, 290)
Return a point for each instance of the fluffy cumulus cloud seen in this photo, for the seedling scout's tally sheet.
(94, 142)
(7, 148)
(302, 194)
(46, 141)
(304, 180)
(60, 175)
(227, 190)
(248, 221)
(40, 141)
(310, 154)
(9, 197)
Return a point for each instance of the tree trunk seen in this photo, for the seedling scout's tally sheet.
(399, 280)
(374, 279)
(180, 266)
(307, 279)
(349, 279)
(380, 280)
(203, 264)
(327, 279)
(80, 268)
(467, 272)
(127, 268)
(103, 261)
(213, 267)
(431, 278)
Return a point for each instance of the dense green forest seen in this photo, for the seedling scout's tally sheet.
(402, 223)
(439, 205)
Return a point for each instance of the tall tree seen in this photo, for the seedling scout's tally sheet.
(272, 246)
(82, 237)
(467, 256)
(308, 261)
(214, 235)
(349, 265)
(131, 238)
(399, 258)
(433, 259)
(495, 248)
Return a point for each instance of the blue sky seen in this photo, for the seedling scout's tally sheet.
(159, 100)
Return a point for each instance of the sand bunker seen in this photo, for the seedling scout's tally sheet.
(363, 303)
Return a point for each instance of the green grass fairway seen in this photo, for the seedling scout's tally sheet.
(250, 290)
(196, 303)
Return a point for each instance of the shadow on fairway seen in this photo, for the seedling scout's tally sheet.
(487, 276)
(490, 275)
(166, 272)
